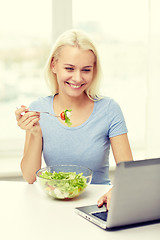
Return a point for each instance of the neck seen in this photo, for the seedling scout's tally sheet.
(66, 102)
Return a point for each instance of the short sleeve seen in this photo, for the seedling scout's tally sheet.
(41, 104)
(117, 124)
(33, 107)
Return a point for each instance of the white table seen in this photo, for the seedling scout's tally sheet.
(26, 213)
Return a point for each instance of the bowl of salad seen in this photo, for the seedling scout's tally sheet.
(64, 181)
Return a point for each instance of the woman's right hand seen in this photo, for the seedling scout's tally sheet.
(28, 120)
(105, 199)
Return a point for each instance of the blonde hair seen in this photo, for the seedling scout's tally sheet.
(82, 40)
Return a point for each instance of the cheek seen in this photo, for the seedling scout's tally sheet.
(62, 76)
(89, 77)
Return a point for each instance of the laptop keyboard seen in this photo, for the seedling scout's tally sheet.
(101, 215)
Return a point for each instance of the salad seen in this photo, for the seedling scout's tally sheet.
(66, 117)
(63, 185)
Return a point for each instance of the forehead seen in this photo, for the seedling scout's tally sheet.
(74, 55)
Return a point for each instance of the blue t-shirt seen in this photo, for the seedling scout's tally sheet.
(88, 144)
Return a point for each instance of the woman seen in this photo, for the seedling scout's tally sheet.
(73, 75)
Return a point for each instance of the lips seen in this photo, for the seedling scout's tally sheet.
(74, 85)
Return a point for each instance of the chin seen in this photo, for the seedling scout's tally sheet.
(75, 93)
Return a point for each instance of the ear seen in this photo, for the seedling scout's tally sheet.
(52, 65)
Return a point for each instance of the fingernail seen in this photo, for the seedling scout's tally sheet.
(100, 203)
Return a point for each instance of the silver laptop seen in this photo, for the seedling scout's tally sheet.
(135, 196)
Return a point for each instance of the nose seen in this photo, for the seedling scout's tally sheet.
(77, 76)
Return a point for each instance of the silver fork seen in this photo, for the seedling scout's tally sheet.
(44, 112)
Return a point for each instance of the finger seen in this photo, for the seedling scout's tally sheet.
(23, 106)
(107, 205)
(100, 203)
(29, 123)
(32, 124)
(102, 200)
(19, 112)
(29, 115)
(26, 109)
(26, 116)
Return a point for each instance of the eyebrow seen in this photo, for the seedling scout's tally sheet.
(90, 66)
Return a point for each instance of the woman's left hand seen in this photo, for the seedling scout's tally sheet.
(105, 199)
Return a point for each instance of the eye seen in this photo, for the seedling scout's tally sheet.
(86, 70)
(69, 69)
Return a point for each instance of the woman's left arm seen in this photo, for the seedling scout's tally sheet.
(121, 152)
(121, 148)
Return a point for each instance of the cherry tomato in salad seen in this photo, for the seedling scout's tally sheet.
(62, 116)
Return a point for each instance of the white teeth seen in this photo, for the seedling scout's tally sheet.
(75, 86)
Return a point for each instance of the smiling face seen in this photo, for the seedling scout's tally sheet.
(74, 70)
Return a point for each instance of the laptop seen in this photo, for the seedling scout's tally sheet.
(135, 196)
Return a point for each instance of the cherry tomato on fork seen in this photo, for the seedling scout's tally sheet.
(62, 116)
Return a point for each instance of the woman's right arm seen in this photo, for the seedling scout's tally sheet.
(31, 161)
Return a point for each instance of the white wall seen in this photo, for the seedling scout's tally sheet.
(61, 17)
(153, 109)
